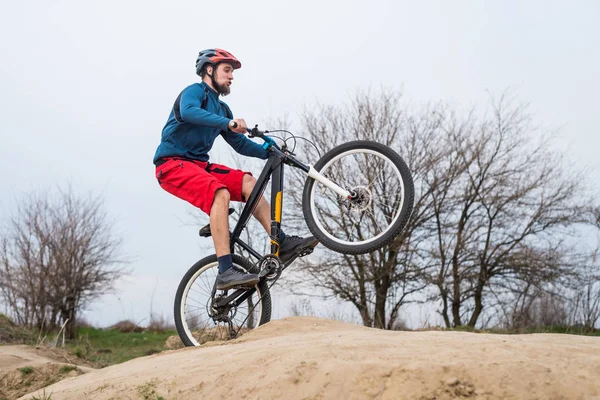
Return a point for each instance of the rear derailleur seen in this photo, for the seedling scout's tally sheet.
(219, 310)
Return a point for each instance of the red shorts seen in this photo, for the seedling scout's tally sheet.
(196, 182)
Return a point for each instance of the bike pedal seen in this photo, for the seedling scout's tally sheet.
(205, 230)
(306, 252)
(244, 287)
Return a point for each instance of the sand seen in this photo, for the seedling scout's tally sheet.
(46, 365)
(311, 358)
(18, 356)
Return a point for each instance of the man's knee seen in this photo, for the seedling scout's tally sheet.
(222, 195)
(248, 184)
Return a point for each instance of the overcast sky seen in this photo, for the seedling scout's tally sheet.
(86, 87)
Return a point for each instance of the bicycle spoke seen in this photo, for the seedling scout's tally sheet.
(199, 292)
(209, 284)
(200, 289)
(202, 303)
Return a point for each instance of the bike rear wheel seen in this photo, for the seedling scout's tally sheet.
(195, 318)
(384, 195)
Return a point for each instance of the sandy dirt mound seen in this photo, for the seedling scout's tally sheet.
(15, 383)
(25, 368)
(310, 358)
(13, 357)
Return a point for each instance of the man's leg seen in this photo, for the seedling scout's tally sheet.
(190, 181)
(219, 222)
(228, 276)
(290, 246)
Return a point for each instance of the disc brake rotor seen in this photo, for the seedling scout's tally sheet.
(362, 199)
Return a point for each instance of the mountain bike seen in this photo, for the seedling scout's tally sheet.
(357, 198)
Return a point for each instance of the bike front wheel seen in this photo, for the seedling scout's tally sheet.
(198, 320)
(383, 196)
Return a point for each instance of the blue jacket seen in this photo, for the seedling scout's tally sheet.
(197, 118)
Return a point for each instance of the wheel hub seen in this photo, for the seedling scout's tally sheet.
(361, 198)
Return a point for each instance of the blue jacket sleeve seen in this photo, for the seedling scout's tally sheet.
(191, 112)
(245, 146)
(241, 143)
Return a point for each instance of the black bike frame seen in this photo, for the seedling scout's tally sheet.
(273, 167)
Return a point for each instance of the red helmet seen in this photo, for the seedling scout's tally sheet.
(215, 56)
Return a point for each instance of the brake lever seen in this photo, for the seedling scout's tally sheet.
(251, 132)
(286, 150)
(254, 132)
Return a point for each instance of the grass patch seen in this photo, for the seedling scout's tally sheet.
(148, 391)
(101, 347)
(44, 396)
(26, 370)
(11, 333)
(568, 330)
(79, 353)
(111, 346)
(65, 369)
(18, 382)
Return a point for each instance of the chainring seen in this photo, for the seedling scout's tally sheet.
(270, 267)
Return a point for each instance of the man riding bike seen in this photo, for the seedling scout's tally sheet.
(182, 167)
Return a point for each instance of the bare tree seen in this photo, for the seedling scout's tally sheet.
(533, 307)
(587, 304)
(494, 205)
(378, 283)
(571, 298)
(58, 253)
(505, 215)
(586, 296)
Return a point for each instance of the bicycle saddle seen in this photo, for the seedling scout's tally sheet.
(205, 230)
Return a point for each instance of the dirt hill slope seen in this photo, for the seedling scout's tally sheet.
(310, 358)
(25, 368)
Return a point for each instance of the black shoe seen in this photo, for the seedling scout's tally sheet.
(235, 276)
(296, 246)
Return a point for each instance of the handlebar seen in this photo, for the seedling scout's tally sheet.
(255, 132)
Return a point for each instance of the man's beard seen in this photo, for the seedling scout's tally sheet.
(223, 90)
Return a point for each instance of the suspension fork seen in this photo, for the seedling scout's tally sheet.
(316, 175)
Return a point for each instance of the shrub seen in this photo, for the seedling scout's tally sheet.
(126, 326)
